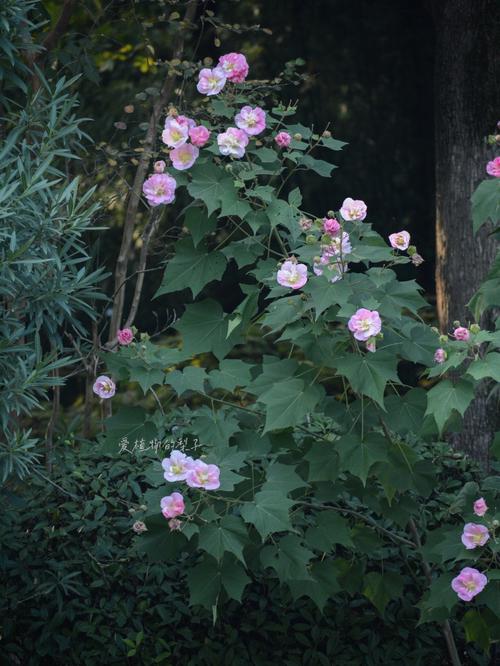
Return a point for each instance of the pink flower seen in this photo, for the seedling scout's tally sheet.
(159, 167)
(235, 66)
(400, 240)
(365, 324)
(175, 524)
(474, 535)
(172, 505)
(211, 81)
(232, 142)
(335, 270)
(417, 259)
(493, 167)
(283, 139)
(184, 156)
(371, 345)
(461, 333)
(175, 133)
(305, 224)
(291, 274)
(202, 475)
(139, 527)
(186, 122)
(199, 135)
(331, 226)
(177, 466)
(480, 507)
(252, 121)
(468, 583)
(338, 245)
(159, 189)
(353, 209)
(125, 336)
(440, 355)
(104, 387)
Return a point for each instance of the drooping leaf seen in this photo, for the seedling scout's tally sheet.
(382, 588)
(369, 373)
(289, 558)
(288, 401)
(446, 398)
(228, 535)
(268, 513)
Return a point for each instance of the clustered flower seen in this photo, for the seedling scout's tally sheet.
(196, 473)
(460, 333)
(470, 582)
(493, 168)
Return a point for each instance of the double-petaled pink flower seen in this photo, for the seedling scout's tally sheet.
(201, 475)
(176, 466)
(159, 189)
(199, 135)
(283, 139)
(291, 274)
(468, 583)
(480, 507)
(400, 240)
(353, 210)
(211, 81)
(474, 535)
(461, 333)
(493, 167)
(175, 133)
(251, 120)
(184, 156)
(125, 336)
(331, 226)
(172, 505)
(365, 324)
(233, 142)
(440, 355)
(234, 66)
(104, 387)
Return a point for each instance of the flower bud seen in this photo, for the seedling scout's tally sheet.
(434, 329)
(495, 523)
(310, 239)
(331, 213)
(417, 259)
(139, 527)
(297, 136)
(326, 239)
(443, 339)
(456, 324)
(319, 223)
(305, 224)
(411, 250)
(327, 134)
(497, 138)
(474, 328)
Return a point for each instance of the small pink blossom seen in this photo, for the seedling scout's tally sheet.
(235, 66)
(139, 527)
(159, 189)
(125, 336)
(252, 121)
(104, 387)
(468, 583)
(440, 355)
(353, 209)
(331, 225)
(175, 133)
(335, 270)
(199, 135)
(305, 224)
(232, 142)
(493, 167)
(365, 324)
(480, 507)
(184, 121)
(175, 524)
(400, 240)
(172, 505)
(338, 246)
(371, 345)
(159, 167)
(202, 475)
(211, 81)
(184, 156)
(283, 139)
(461, 333)
(417, 259)
(176, 466)
(293, 275)
(474, 535)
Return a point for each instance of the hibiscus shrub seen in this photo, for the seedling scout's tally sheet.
(296, 465)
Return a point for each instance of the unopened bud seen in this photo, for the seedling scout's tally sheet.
(310, 239)
(143, 507)
(159, 167)
(305, 224)
(456, 324)
(417, 259)
(411, 250)
(139, 527)
(327, 134)
(331, 213)
(319, 223)
(474, 328)
(434, 329)
(297, 136)
(443, 339)
(326, 239)
(495, 523)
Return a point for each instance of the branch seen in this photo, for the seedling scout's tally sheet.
(135, 193)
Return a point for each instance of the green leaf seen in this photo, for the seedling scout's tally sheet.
(191, 268)
(284, 311)
(321, 585)
(229, 535)
(244, 252)
(406, 413)
(280, 212)
(324, 294)
(446, 398)
(159, 543)
(127, 427)
(199, 224)
(382, 588)
(215, 427)
(330, 529)
(204, 583)
(288, 402)
(234, 579)
(268, 513)
(231, 373)
(486, 203)
(288, 558)
(212, 185)
(476, 629)
(437, 603)
(333, 144)
(320, 167)
(323, 462)
(204, 328)
(357, 456)
(369, 373)
(489, 366)
(190, 379)
(282, 478)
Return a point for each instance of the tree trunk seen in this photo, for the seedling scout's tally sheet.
(467, 108)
